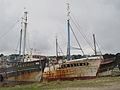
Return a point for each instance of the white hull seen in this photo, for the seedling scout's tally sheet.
(87, 67)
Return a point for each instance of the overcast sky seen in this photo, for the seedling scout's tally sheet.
(47, 19)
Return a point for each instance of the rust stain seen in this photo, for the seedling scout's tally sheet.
(26, 77)
(74, 70)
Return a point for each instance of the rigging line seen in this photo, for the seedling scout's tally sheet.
(11, 28)
(98, 48)
(76, 40)
(84, 36)
(61, 50)
(16, 49)
(28, 41)
(101, 46)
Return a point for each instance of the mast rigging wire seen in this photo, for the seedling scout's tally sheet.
(84, 36)
(60, 50)
(98, 48)
(28, 41)
(11, 28)
(77, 40)
(16, 49)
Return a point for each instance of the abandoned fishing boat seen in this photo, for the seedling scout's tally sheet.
(108, 66)
(84, 68)
(25, 67)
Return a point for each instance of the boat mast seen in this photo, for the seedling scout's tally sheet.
(20, 42)
(56, 49)
(25, 27)
(94, 44)
(68, 26)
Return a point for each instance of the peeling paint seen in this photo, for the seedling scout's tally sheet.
(76, 69)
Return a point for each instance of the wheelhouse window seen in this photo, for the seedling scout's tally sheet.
(75, 65)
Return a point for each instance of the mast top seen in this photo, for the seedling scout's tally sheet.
(25, 11)
(24, 18)
(68, 11)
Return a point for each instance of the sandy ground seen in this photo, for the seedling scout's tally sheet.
(110, 86)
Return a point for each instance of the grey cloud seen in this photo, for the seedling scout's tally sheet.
(47, 18)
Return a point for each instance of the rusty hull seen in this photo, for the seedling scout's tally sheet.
(75, 71)
(24, 71)
(106, 68)
(33, 76)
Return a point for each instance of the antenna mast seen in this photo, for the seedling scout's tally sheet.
(94, 44)
(21, 32)
(25, 27)
(56, 49)
(20, 42)
(68, 26)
